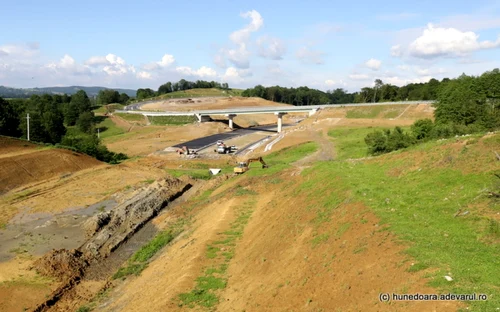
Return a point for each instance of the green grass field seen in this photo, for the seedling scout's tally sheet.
(108, 128)
(130, 117)
(420, 208)
(171, 120)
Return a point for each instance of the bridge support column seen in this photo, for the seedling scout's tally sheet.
(280, 121)
(231, 116)
(202, 118)
(313, 111)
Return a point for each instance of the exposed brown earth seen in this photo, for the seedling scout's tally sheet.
(276, 266)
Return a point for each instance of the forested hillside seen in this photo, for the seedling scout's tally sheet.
(380, 92)
(55, 119)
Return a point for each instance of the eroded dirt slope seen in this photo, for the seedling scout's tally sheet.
(24, 163)
(282, 261)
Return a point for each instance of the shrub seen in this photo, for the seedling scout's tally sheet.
(422, 129)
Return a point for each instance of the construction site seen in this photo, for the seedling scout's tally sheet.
(203, 217)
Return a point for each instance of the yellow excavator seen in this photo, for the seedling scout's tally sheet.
(243, 166)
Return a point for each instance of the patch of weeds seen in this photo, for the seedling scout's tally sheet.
(149, 181)
(3, 226)
(139, 261)
(274, 181)
(320, 239)
(364, 221)
(221, 250)
(342, 229)
(419, 266)
(101, 208)
(23, 194)
(359, 250)
(84, 308)
(240, 191)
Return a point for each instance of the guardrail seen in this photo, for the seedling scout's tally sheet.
(269, 109)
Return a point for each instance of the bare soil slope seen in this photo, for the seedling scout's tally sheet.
(24, 163)
(184, 105)
(281, 263)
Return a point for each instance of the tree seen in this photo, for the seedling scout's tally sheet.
(108, 96)
(144, 93)
(124, 98)
(9, 119)
(53, 122)
(85, 122)
(422, 129)
(81, 102)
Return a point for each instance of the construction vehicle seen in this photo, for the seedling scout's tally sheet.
(183, 151)
(244, 166)
(222, 148)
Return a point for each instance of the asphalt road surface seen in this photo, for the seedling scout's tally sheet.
(210, 140)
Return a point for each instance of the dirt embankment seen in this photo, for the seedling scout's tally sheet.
(23, 163)
(106, 231)
(184, 105)
(285, 260)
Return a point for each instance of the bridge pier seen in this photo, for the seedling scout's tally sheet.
(202, 118)
(280, 121)
(231, 124)
(313, 111)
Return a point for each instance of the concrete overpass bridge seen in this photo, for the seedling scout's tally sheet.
(279, 111)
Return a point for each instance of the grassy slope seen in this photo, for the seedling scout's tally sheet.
(192, 93)
(419, 206)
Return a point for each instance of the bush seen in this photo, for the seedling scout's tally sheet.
(90, 145)
(422, 129)
(377, 142)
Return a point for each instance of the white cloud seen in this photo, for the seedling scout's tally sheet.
(144, 75)
(403, 67)
(240, 55)
(274, 69)
(68, 66)
(202, 72)
(306, 55)
(111, 64)
(116, 66)
(242, 36)
(271, 48)
(396, 50)
(96, 61)
(165, 62)
(397, 81)
(331, 83)
(373, 64)
(219, 59)
(235, 75)
(359, 77)
(437, 41)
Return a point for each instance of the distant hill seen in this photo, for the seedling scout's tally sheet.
(7, 92)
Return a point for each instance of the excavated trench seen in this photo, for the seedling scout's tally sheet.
(112, 237)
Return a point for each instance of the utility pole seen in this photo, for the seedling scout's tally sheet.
(28, 119)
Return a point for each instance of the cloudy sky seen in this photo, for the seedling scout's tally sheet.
(318, 43)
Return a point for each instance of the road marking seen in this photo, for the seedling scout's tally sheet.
(270, 145)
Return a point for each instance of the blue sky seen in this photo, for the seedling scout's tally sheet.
(321, 44)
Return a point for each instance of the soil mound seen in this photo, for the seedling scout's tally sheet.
(23, 163)
(61, 264)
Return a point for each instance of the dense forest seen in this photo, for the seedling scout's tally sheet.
(66, 121)
(181, 85)
(464, 105)
(381, 92)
